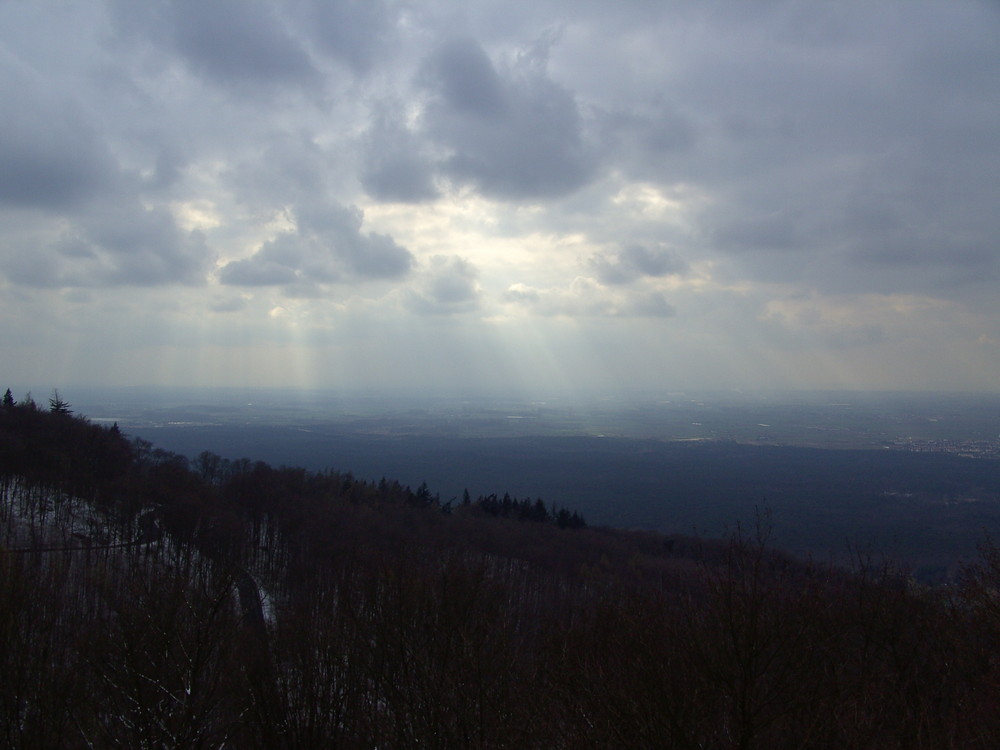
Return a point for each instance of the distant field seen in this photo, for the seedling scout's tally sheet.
(931, 510)
(830, 471)
(822, 420)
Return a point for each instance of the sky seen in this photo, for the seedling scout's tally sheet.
(545, 197)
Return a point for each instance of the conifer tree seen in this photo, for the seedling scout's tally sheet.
(57, 405)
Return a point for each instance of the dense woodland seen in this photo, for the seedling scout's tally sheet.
(148, 601)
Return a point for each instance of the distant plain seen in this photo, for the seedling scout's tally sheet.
(911, 477)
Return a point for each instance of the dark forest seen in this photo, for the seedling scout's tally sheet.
(148, 600)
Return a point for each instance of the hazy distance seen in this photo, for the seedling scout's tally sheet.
(912, 476)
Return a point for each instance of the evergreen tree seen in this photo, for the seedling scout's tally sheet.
(539, 512)
(423, 495)
(57, 405)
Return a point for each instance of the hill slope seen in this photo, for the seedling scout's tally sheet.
(148, 602)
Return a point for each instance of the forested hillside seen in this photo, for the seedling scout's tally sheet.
(149, 601)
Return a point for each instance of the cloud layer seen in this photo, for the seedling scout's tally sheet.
(727, 194)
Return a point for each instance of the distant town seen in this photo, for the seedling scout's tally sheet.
(963, 448)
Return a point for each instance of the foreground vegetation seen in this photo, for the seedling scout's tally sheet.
(147, 601)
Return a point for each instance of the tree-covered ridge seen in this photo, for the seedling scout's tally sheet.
(210, 496)
(148, 601)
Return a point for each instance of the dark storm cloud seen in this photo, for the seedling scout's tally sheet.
(51, 155)
(394, 169)
(841, 146)
(352, 31)
(277, 262)
(646, 138)
(765, 231)
(146, 247)
(634, 262)
(327, 246)
(377, 256)
(119, 243)
(168, 168)
(371, 255)
(927, 219)
(54, 156)
(913, 221)
(465, 78)
(243, 44)
(513, 136)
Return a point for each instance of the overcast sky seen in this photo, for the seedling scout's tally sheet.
(550, 197)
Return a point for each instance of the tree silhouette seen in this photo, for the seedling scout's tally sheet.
(58, 406)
